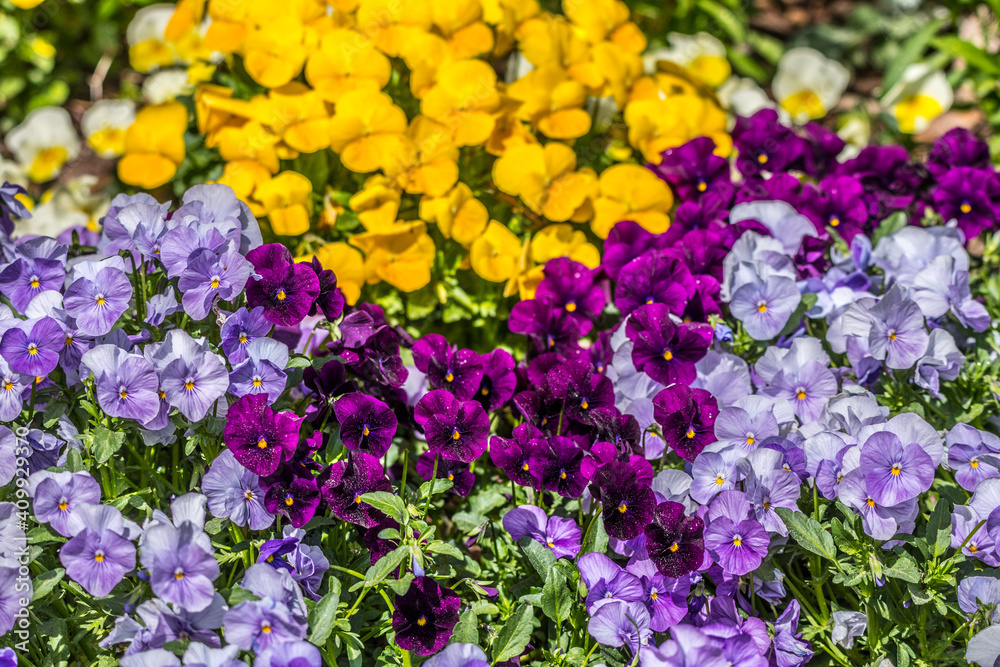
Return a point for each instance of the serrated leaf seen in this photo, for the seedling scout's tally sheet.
(514, 635)
(323, 617)
(557, 603)
(388, 503)
(540, 558)
(386, 564)
(106, 443)
(904, 568)
(466, 630)
(808, 533)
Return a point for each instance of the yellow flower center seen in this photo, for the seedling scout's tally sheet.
(584, 404)
(215, 283)
(767, 505)
(719, 480)
(973, 548)
(289, 501)
(871, 503)
(262, 443)
(484, 391)
(761, 307)
(562, 474)
(570, 307)
(674, 547)
(451, 477)
(896, 470)
(123, 394)
(974, 463)
(99, 557)
(524, 467)
(455, 435)
(737, 541)
(762, 158)
(32, 349)
(243, 338)
(257, 382)
(357, 498)
(8, 385)
(189, 385)
(34, 282)
(623, 508)
(249, 495)
(702, 186)
(892, 335)
(964, 208)
(801, 394)
(834, 221)
(68, 341)
(751, 439)
(266, 628)
(366, 432)
(450, 377)
(550, 544)
(690, 433)
(63, 505)
(99, 300)
(47, 163)
(281, 296)
(422, 621)
(178, 575)
(668, 355)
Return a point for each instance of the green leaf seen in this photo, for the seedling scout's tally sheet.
(445, 549)
(388, 503)
(400, 586)
(808, 533)
(909, 53)
(467, 629)
(845, 538)
(298, 362)
(557, 603)
(540, 558)
(904, 568)
(439, 485)
(388, 563)
(324, 615)
(939, 527)
(806, 302)
(976, 57)
(46, 581)
(53, 411)
(597, 538)
(514, 635)
(106, 443)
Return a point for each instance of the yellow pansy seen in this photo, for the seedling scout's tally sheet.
(249, 141)
(631, 192)
(348, 265)
(505, 16)
(545, 179)
(154, 145)
(552, 102)
(564, 241)
(297, 114)
(426, 162)
(243, 176)
(401, 257)
(508, 133)
(618, 68)
(26, 4)
(376, 204)
(495, 256)
(104, 125)
(600, 20)
(458, 214)
(702, 55)
(228, 28)
(663, 85)
(43, 143)
(552, 39)
(464, 99)
(459, 21)
(389, 22)
(214, 107)
(366, 130)
(346, 60)
(287, 202)
(656, 125)
(275, 49)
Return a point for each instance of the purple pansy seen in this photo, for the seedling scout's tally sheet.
(559, 535)
(687, 417)
(895, 472)
(259, 438)
(286, 290)
(240, 329)
(665, 351)
(458, 371)
(513, 455)
(425, 616)
(33, 349)
(456, 472)
(654, 277)
(97, 299)
(366, 423)
(456, 430)
(234, 493)
(126, 383)
(98, 556)
(263, 370)
(343, 484)
(675, 542)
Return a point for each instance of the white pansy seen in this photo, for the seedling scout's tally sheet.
(44, 142)
(743, 97)
(808, 84)
(166, 86)
(104, 126)
(922, 94)
(78, 203)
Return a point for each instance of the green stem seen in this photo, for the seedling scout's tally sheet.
(430, 492)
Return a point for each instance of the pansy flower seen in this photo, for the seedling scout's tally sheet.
(628, 502)
(654, 277)
(454, 471)
(570, 285)
(559, 535)
(126, 384)
(285, 290)
(513, 455)
(456, 430)
(98, 556)
(295, 497)
(343, 484)
(259, 438)
(425, 616)
(665, 351)
(33, 348)
(675, 542)
(458, 371)
(234, 492)
(499, 380)
(559, 469)
(98, 298)
(366, 423)
(687, 417)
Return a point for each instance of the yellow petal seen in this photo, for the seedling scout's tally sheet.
(145, 170)
(291, 221)
(565, 124)
(348, 265)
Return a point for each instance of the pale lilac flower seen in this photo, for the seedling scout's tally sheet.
(263, 371)
(847, 625)
(942, 360)
(240, 329)
(126, 383)
(97, 299)
(234, 493)
(560, 536)
(57, 495)
(764, 306)
(294, 653)
(98, 556)
(894, 328)
(191, 377)
(12, 386)
(619, 623)
(181, 564)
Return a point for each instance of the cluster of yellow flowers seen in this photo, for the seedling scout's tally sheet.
(325, 66)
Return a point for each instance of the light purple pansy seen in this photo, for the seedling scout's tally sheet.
(559, 535)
